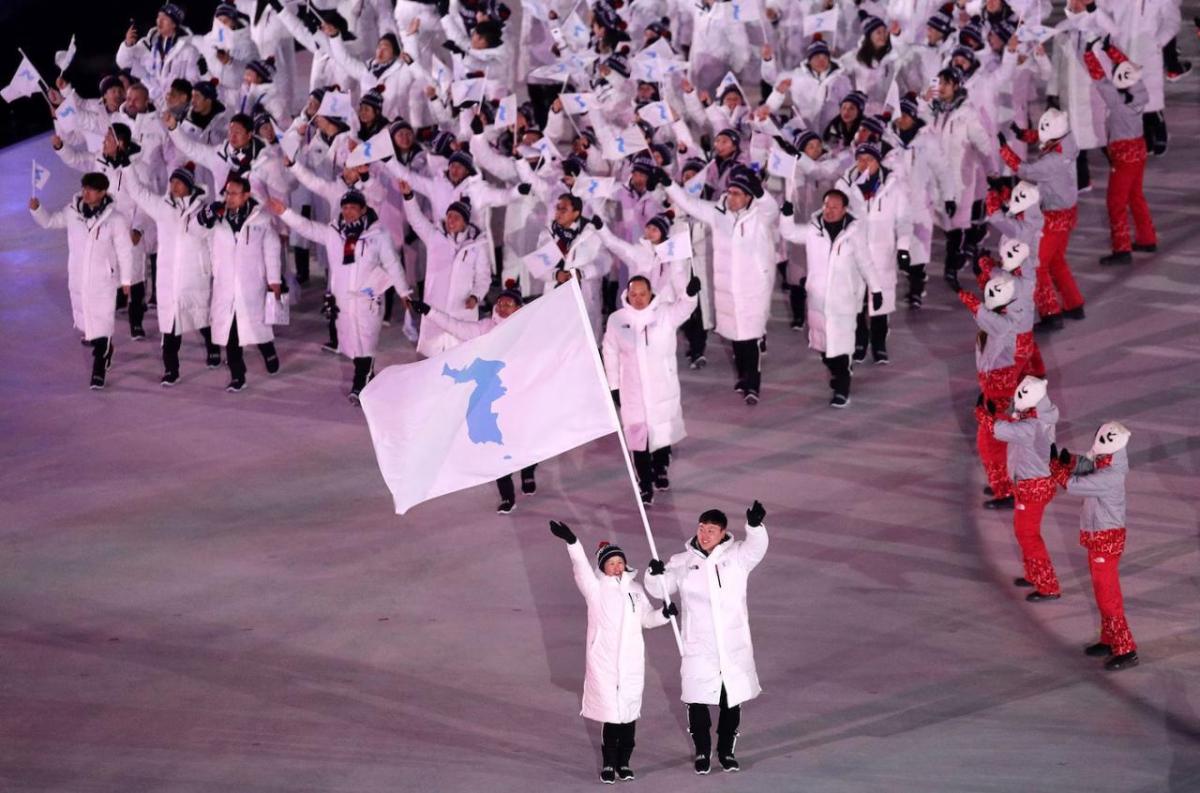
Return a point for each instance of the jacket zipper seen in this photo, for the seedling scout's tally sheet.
(717, 570)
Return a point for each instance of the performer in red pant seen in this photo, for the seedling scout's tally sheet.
(1054, 174)
(1126, 97)
(1099, 477)
(997, 369)
(1029, 432)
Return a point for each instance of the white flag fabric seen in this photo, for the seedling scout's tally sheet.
(892, 100)
(543, 260)
(336, 104)
(656, 114)
(780, 163)
(525, 391)
(576, 33)
(506, 111)
(744, 11)
(469, 90)
(826, 21)
(546, 149)
(63, 58)
(41, 175)
(696, 184)
(729, 79)
(574, 104)
(595, 188)
(26, 82)
(674, 249)
(619, 145)
(66, 115)
(375, 149)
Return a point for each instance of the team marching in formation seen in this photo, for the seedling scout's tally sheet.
(443, 163)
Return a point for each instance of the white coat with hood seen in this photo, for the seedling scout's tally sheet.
(357, 287)
(1072, 85)
(618, 610)
(183, 280)
(744, 244)
(839, 275)
(888, 218)
(582, 260)
(1144, 27)
(243, 263)
(99, 261)
(717, 650)
(968, 155)
(640, 361)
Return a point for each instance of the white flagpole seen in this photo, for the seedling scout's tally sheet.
(32, 179)
(602, 380)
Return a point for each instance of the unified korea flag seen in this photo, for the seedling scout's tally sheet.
(525, 391)
(379, 147)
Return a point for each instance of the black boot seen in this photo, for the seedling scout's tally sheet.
(916, 285)
(608, 772)
(624, 772)
(725, 745)
(1122, 661)
(999, 503)
(1098, 650)
(1117, 257)
(101, 361)
(1074, 313)
(1022, 581)
(362, 371)
(1050, 322)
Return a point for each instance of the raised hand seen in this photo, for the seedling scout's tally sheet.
(656, 567)
(563, 532)
(693, 286)
(756, 513)
(670, 610)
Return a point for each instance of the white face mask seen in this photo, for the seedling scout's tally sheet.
(1111, 438)
(1013, 254)
(1029, 393)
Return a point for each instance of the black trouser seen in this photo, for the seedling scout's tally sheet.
(873, 330)
(745, 359)
(99, 353)
(333, 312)
(152, 278)
(1154, 128)
(541, 97)
(1171, 60)
(700, 722)
(839, 369)
(233, 353)
(505, 483)
(916, 280)
(303, 254)
(1083, 172)
(389, 302)
(137, 305)
(170, 349)
(610, 291)
(798, 300)
(650, 466)
(617, 743)
(362, 371)
(978, 230)
(696, 335)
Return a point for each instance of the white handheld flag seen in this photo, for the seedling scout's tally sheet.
(66, 115)
(375, 149)
(824, 22)
(546, 149)
(523, 392)
(543, 260)
(574, 104)
(780, 163)
(741, 11)
(63, 58)
(595, 188)
(506, 111)
(729, 79)
(576, 33)
(656, 114)
(695, 186)
(41, 175)
(620, 145)
(336, 104)
(469, 90)
(674, 249)
(291, 142)
(892, 100)
(1036, 34)
(26, 82)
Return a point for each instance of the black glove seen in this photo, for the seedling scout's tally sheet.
(1064, 456)
(670, 610)
(563, 532)
(477, 125)
(664, 178)
(756, 513)
(1053, 452)
(979, 402)
(276, 4)
(656, 566)
(693, 286)
(903, 260)
(1003, 140)
(991, 407)
(876, 301)
(328, 306)
(524, 188)
(787, 210)
(410, 237)
(951, 207)
(452, 47)
(597, 222)
(1052, 101)
(616, 396)
(419, 307)
(1020, 133)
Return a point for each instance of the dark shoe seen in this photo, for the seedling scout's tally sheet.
(1122, 661)
(916, 299)
(951, 278)
(647, 497)
(839, 401)
(608, 775)
(235, 386)
(699, 362)
(169, 379)
(212, 358)
(625, 774)
(1117, 257)
(740, 389)
(729, 762)
(881, 358)
(860, 354)
(662, 483)
(528, 486)
(97, 382)
(797, 324)
(1140, 248)
(1074, 313)
(505, 507)
(1098, 650)
(1038, 597)
(329, 347)
(987, 490)
(1022, 582)
(1177, 76)
(702, 765)
(1050, 322)
(272, 362)
(352, 398)
(999, 503)
(751, 398)
(138, 333)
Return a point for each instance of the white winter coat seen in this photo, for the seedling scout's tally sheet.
(243, 265)
(582, 258)
(839, 273)
(183, 282)
(743, 261)
(716, 623)
(968, 155)
(99, 261)
(358, 287)
(889, 228)
(1144, 27)
(640, 361)
(1072, 84)
(617, 610)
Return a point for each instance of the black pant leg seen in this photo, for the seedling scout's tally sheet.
(746, 356)
(209, 347)
(1171, 57)
(528, 473)
(99, 352)
(505, 485)
(879, 334)
(700, 726)
(170, 352)
(362, 370)
(137, 306)
(233, 354)
(1083, 172)
(798, 301)
(267, 349)
(389, 302)
(954, 241)
(839, 370)
(728, 721)
(916, 280)
(861, 335)
(660, 459)
(644, 467)
(696, 335)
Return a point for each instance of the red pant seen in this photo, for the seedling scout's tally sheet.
(1125, 194)
(1032, 496)
(992, 453)
(1104, 555)
(1029, 356)
(1053, 271)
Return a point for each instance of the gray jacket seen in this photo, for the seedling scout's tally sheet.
(1029, 441)
(1103, 492)
(1124, 120)
(1000, 349)
(1054, 174)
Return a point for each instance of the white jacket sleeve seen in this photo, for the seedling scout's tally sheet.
(585, 577)
(704, 211)
(754, 547)
(310, 230)
(272, 257)
(123, 247)
(611, 355)
(49, 220)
